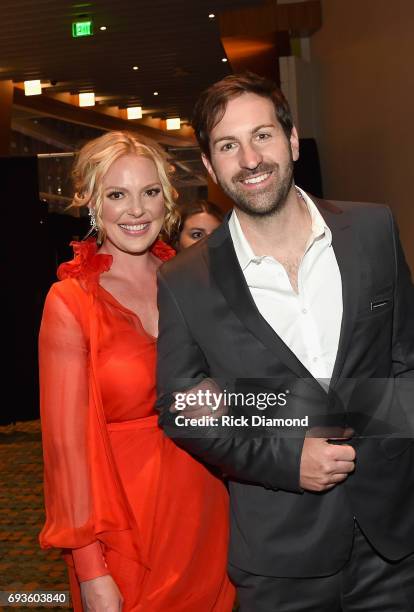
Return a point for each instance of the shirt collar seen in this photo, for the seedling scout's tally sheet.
(245, 252)
(318, 227)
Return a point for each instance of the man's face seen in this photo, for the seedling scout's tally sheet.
(251, 157)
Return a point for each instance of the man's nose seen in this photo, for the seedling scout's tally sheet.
(250, 157)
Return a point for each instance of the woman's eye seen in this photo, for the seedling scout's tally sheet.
(115, 195)
(197, 235)
(152, 193)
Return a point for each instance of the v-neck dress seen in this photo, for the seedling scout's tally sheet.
(111, 475)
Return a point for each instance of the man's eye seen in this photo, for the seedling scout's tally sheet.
(228, 146)
(115, 195)
(263, 136)
(152, 193)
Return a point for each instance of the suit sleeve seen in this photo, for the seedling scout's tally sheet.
(403, 327)
(273, 462)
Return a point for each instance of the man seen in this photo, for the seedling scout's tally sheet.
(291, 289)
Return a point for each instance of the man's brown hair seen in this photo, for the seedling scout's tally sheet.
(212, 104)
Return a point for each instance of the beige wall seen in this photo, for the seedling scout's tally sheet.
(364, 95)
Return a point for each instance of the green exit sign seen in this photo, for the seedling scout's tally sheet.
(82, 28)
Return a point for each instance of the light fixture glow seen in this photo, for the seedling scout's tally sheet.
(224, 59)
(32, 88)
(173, 124)
(211, 16)
(135, 67)
(87, 99)
(134, 112)
(103, 28)
(155, 93)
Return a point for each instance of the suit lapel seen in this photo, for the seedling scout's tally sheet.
(226, 271)
(345, 246)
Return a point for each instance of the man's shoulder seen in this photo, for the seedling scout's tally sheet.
(188, 264)
(351, 207)
(362, 214)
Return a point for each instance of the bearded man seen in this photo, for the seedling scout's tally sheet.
(295, 291)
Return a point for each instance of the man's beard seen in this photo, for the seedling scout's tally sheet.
(268, 202)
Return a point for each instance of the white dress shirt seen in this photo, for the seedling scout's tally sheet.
(309, 321)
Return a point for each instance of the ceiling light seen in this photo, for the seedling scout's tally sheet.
(87, 99)
(155, 93)
(211, 16)
(173, 124)
(224, 59)
(32, 88)
(135, 67)
(134, 112)
(103, 28)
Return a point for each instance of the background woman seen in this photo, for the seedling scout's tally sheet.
(143, 524)
(198, 219)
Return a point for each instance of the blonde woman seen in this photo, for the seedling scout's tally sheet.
(143, 525)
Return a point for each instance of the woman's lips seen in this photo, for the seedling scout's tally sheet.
(134, 229)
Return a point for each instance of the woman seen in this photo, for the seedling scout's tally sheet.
(198, 219)
(143, 524)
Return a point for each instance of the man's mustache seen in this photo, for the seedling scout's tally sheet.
(260, 169)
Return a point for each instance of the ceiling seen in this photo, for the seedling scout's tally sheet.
(174, 43)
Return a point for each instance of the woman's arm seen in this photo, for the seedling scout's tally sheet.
(64, 386)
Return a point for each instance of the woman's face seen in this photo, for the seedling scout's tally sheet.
(133, 204)
(196, 227)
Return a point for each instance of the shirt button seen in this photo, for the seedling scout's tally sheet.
(304, 311)
(315, 359)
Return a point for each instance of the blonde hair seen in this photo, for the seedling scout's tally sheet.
(93, 162)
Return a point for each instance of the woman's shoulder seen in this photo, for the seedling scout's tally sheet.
(66, 302)
(86, 266)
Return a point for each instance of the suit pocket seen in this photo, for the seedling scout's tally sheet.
(376, 305)
(393, 447)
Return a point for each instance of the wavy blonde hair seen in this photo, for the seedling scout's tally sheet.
(93, 162)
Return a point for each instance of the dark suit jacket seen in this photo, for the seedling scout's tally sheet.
(210, 327)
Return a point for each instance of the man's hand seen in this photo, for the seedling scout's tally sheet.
(101, 595)
(324, 465)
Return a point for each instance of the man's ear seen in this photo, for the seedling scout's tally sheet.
(294, 144)
(209, 167)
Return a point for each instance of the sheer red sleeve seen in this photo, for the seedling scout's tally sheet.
(64, 382)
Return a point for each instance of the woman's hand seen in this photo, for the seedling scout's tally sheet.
(101, 595)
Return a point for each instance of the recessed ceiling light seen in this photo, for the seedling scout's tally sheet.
(134, 112)
(173, 124)
(103, 28)
(135, 67)
(155, 93)
(224, 59)
(211, 16)
(32, 88)
(87, 99)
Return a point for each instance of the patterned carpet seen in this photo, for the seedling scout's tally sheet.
(23, 565)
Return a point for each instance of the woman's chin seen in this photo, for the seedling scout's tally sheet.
(133, 244)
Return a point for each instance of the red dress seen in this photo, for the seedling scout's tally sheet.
(113, 480)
